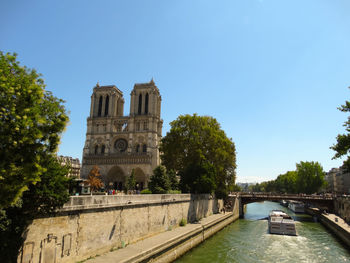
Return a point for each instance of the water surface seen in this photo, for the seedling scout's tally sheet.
(247, 240)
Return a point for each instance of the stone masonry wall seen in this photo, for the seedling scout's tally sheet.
(90, 225)
(342, 207)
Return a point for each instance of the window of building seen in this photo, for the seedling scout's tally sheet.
(125, 126)
(144, 148)
(103, 149)
(99, 107)
(106, 105)
(146, 104)
(145, 126)
(140, 104)
(121, 145)
(138, 148)
(96, 149)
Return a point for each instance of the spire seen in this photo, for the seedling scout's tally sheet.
(152, 81)
(97, 85)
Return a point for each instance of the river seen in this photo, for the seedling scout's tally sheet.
(247, 240)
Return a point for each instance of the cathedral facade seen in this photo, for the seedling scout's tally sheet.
(118, 144)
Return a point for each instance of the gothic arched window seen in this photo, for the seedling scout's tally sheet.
(140, 104)
(146, 104)
(138, 148)
(106, 105)
(99, 107)
(96, 149)
(144, 148)
(103, 149)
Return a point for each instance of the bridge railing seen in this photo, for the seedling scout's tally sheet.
(283, 196)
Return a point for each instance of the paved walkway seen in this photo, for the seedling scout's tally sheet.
(339, 221)
(138, 250)
(333, 218)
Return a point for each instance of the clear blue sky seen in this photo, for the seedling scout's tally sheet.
(271, 72)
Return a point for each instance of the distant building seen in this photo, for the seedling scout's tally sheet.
(331, 180)
(338, 181)
(343, 183)
(73, 163)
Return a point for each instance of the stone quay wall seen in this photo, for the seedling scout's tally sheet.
(205, 231)
(90, 225)
(337, 226)
(342, 207)
(333, 222)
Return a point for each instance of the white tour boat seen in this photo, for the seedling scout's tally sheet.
(281, 223)
(296, 207)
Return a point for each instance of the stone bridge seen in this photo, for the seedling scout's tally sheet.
(321, 201)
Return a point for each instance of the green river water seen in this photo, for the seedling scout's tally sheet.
(247, 240)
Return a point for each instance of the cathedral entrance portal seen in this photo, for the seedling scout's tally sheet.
(140, 179)
(115, 178)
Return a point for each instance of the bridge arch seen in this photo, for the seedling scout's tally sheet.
(322, 201)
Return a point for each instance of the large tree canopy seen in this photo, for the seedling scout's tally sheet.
(342, 147)
(31, 121)
(197, 144)
(41, 199)
(310, 177)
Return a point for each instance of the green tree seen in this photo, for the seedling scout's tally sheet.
(194, 141)
(310, 177)
(131, 182)
(287, 183)
(31, 121)
(198, 178)
(236, 188)
(174, 182)
(255, 188)
(41, 199)
(159, 182)
(342, 147)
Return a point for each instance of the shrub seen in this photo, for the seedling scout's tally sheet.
(183, 222)
(174, 192)
(146, 192)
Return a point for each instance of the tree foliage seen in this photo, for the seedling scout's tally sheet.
(174, 182)
(198, 144)
(31, 121)
(131, 182)
(308, 178)
(342, 147)
(287, 183)
(198, 178)
(94, 179)
(41, 199)
(159, 182)
(237, 188)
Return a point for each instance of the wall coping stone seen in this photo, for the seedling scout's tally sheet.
(77, 203)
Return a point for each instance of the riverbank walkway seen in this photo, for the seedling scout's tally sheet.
(334, 223)
(148, 247)
(338, 221)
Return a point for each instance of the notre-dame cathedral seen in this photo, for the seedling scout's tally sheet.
(118, 144)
